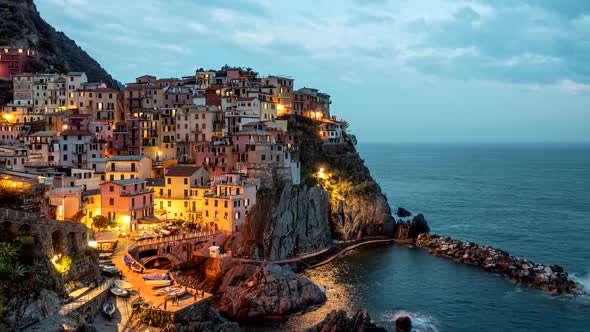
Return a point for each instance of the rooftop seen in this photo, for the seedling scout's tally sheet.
(182, 170)
(128, 181)
(43, 134)
(126, 158)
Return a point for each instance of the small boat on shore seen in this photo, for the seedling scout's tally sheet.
(105, 254)
(166, 290)
(119, 292)
(110, 270)
(176, 293)
(105, 262)
(127, 260)
(123, 284)
(137, 268)
(158, 283)
(157, 276)
(108, 309)
(137, 302)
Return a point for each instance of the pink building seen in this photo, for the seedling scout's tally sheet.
(127, 202)
(15, 60)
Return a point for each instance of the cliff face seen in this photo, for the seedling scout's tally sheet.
(358, 208)
(345, 204)
(22, 26)
(292, 221)
(257, 292)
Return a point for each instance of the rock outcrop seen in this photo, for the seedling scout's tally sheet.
(338, 321)
(409, 231)
(24, 309)
(403, 324)
(291, 222)
(402, 213)
(22, 26)
(551, 279)
(361, 215)
(250, 292)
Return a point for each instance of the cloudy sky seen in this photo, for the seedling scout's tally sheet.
(398, 70)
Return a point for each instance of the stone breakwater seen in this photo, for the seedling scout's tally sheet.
(551, 279)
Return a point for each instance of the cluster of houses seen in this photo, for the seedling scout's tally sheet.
(195, 148)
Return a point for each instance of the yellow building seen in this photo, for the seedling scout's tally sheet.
(179, 195)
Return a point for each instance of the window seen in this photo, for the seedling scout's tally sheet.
(169, 203)
(237, 215)
(185, 181)
(111, 188)
(169, 181)
(225, 204)
(111, 201)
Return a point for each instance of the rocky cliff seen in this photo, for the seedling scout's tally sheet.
(22, 26)
(338, 321)
(251, 293)
(344, 203)
(282, 224)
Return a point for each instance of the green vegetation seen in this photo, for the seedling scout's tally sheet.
(63, 264)
(101, 222)
(155, 318)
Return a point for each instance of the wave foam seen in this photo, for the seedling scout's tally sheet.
(420, 322)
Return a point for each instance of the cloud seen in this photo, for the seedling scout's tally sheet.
(516, 41)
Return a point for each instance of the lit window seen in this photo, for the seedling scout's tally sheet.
(20, 50)
(99, 105)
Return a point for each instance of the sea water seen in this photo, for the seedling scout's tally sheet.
(532, 200)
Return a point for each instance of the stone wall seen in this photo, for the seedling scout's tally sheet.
(53, 236)
(270, 176)
(84, 268)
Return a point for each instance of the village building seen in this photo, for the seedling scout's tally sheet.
(126, 202)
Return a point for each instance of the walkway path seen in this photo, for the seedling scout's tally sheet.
(339, 252)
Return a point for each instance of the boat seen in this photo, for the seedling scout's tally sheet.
(165, 232)
(108, 309)
(119, 292)
(158, 283)
(109, 270)
(123, 284)
(105, 262)
(105, 254)
(176, 293)
(166, 290)
(137, 302)
(127, 260)
(156, 276)
(137, 268)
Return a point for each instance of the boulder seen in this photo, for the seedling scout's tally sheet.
(402, 213)
(403, 324)
(338, 321)
(410, 230)
(250, 292)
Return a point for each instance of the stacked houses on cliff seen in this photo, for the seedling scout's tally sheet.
(195, 148)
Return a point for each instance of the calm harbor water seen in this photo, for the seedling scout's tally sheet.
(532, 200)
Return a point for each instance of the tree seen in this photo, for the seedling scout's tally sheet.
(100, 222)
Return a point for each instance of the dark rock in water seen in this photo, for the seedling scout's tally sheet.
(251, 292)
(338, 321)
(402, 213)
(410, 230)
(403, 324)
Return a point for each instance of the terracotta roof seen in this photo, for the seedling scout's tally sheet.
(182, 170)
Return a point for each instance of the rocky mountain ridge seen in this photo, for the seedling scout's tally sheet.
(21, 25)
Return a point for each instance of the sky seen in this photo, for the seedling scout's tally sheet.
(397, 71)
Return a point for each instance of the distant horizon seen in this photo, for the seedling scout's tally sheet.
(460, 71)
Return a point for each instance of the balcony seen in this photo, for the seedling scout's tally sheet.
(136, 192)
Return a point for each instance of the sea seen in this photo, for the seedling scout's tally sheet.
(532, 200)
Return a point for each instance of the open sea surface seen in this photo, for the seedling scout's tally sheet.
(532, 200)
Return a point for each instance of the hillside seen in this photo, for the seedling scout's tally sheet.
(22, 26)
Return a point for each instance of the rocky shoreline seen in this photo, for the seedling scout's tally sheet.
(552, 279)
